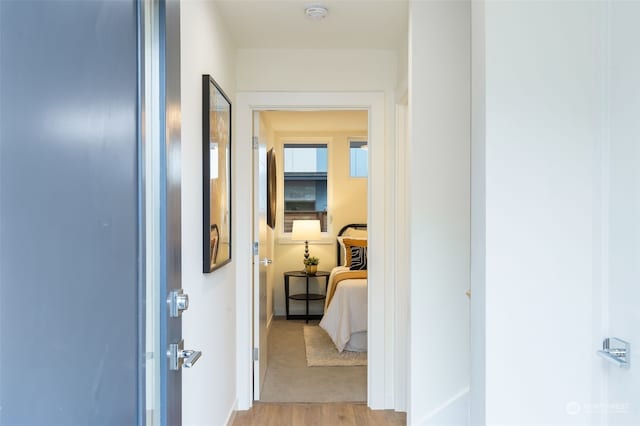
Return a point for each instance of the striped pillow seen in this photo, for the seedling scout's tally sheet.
(358, 258)
(351, 242)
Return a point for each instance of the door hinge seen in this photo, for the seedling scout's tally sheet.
(256, 354)
(255, 142)
(255, 248)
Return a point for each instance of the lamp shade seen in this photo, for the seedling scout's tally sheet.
(305, 230)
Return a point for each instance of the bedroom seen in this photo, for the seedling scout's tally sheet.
(320, 175)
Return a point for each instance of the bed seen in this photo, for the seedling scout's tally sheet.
(345, 317)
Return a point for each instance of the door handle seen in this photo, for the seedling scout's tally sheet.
(178, 356)
(616, 351)
(190, 357)
(266, 261)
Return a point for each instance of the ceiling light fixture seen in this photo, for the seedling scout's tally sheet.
(316, 13)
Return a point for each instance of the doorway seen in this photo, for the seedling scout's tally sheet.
(316, 162)
(380, 349)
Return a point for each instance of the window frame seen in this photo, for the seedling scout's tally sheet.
(357, 139)
(285, 237)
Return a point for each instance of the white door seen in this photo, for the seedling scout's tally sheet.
(260, 259)
(622, 405)
(622, 385)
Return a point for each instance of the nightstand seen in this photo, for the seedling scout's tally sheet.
(306, 296)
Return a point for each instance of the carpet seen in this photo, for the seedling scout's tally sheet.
(321, 352)
(289, 379)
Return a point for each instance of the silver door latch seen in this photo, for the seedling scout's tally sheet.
(178, 356)
(178, 302)
(616, 351)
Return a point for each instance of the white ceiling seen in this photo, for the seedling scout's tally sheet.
(282, 24)
(317, 121)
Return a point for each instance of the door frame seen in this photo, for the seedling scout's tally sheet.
(259, 273)
(380, 384)
(161, 135)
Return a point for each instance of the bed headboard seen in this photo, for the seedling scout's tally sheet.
(342, 231)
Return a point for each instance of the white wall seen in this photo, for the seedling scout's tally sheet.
(403, 64)
(209, 325)
(400, 232)
(439, 149)
(544, 97)
(340, 71)
(478, 218)
(623, 402)
(316, 70)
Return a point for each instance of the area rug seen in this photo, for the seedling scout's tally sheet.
(321, 352)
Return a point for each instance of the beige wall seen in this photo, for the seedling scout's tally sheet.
(347, 201)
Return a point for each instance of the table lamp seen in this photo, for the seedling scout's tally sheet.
(305, 230)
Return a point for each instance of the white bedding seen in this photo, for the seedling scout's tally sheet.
(346, 314)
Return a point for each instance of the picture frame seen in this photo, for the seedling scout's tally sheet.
(214, 239)
(216, 175)
(272, 188)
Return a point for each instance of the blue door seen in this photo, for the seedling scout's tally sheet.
(72, 349)
(170, 219)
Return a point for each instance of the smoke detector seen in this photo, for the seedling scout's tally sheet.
(316, 13)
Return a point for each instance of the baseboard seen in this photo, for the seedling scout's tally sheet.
(232, 414)
(269, 323)
(454, 412)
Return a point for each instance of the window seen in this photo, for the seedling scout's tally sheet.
(358, 154)
(305, 184)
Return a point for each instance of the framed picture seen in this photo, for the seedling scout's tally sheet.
(214, 238)
(216, 175)
(271, 188)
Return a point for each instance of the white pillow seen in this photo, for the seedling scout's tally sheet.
(357, 233)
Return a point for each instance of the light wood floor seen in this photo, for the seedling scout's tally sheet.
(329, 414)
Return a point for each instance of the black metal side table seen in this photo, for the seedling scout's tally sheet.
(306, 296)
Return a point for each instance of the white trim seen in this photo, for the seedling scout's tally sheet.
(380, 333)
(269, 321)
(449, 404)
(602, 220)
(232, 414)
(478, 225)
(402, 92)
(400, 253)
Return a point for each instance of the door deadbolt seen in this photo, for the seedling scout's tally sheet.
(178, 302)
